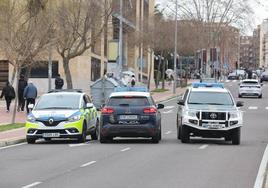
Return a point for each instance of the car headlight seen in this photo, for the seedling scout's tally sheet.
(191, 113)
(233, 115)
(31, 118)
(74, 118)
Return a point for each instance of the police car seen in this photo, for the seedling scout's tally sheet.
(130, 113)
(208, 110)
(62, 114)
(250, 87)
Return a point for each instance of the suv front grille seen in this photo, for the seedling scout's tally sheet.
(212, 115)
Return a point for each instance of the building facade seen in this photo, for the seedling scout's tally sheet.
(264, 44)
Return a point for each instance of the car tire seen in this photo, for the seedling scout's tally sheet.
(260, 96)
(160, 133)
(157, 137)
(95, 134)
(185, 135)
(239, 96)
(179, 132)
(236, 134)
(30, 140)
(82, 138)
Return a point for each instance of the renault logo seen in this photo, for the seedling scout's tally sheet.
(50, 121)
(213, 116)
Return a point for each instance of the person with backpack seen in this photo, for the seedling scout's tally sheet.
(133, 81)
(59, 82)
(9, 93)
(22, 84)
(30, 94)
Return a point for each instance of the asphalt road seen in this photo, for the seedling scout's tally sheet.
(210, 163)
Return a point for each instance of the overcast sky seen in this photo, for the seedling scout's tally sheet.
(260, 8)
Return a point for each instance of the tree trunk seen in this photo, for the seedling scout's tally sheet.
(150, 70)
(13, 76)
(28, 72)
(67, 72)
(17, 95)
(163, 74)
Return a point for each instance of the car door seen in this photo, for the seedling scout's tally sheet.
(86, 111)
(92, 113)
(180, 107)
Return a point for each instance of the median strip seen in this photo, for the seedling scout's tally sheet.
(8, 127)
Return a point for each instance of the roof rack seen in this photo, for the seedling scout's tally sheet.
(65, 90)
(205, 84)
(132, 89)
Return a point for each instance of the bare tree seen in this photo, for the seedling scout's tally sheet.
(79, 24)
(23, 35)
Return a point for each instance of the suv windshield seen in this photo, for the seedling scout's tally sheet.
(128, 101)
(58, 102)
(210, 98)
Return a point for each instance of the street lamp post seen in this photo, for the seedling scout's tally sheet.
(175, 48)
(120, 52)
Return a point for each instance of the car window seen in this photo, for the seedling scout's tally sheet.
(58, 101)
(210, 98)
(249, 83)
(128, 101)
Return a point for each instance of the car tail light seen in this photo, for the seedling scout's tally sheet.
(107, 110)
(150, 110)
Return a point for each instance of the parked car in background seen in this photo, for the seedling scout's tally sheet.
(237, 75)
(264, 76)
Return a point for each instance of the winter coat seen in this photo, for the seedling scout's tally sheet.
(22, 85)
(59, 82)
(8, 92)
(30, 92)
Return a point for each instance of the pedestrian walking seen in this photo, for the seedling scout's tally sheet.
(59, 82)
(9, 93)
(133, 81)
(22, 85)
(30, 94)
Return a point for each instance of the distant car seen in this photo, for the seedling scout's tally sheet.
(237, 75)
(62, 114)
(130, 114)
(250, 87)
(233, 76)
(264, 76)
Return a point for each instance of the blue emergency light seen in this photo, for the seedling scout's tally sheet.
(137, 89)
(204, 84)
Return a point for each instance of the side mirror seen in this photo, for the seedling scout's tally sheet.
(239, 104)
(89, 105)
(31, 106)
(181, 102)
(160, 106)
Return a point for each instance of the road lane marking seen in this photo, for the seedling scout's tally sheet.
(169, 107)
(125, 149)
(168, 132)
(262, 169)
(266, 108)
(203, 146)
(168, 112)
(87, 164)
(227, 81)
(76, 145)
(234, 80)
(13, 146)
(253, 108)
(32, 184)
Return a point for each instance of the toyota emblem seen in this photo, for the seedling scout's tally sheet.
(213, 116)
(50, 121)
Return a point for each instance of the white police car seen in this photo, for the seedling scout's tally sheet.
(208, 110)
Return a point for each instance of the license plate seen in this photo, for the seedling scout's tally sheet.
(212, 126)
(46, 135)
(128, 117)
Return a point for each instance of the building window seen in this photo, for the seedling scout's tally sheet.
(4, 68)
(40, 69)
(95, 69)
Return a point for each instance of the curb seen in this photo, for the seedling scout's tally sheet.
(12, 142)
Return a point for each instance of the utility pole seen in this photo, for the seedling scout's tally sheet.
(50, 56)
(175, 48)
(120, 51)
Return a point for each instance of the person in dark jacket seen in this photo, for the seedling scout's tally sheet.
(30, 94)
(59, 82)
(21, 87)
(9, 93)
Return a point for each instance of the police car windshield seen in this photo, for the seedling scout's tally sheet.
(58, 102)
(210, 98)
(128, 101)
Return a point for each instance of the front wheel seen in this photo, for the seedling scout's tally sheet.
(236, 134)
(95, 134)
(260, 96)
(82, 138)
(185, 134)
(179, 132)
(30, 140)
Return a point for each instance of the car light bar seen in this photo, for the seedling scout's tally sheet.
(137, 89)
(204, 84)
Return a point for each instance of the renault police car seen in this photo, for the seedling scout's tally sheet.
(250, 87)
(130, 112)
(62, 114)
(208, 110)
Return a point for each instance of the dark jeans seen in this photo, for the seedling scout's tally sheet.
(8, 101)
(29, 101)
(21, 103)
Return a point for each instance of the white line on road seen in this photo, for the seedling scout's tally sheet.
(231, 85)
(234, 80)
(227, 81)
(266, 108)
(169, 107)
(262, 169)
(125, 149)
(168, 112)
(13, 145)
(168, 132)
(76, 145)
(32, 184)
(203, 146)
(87, 164)
(253, 108)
